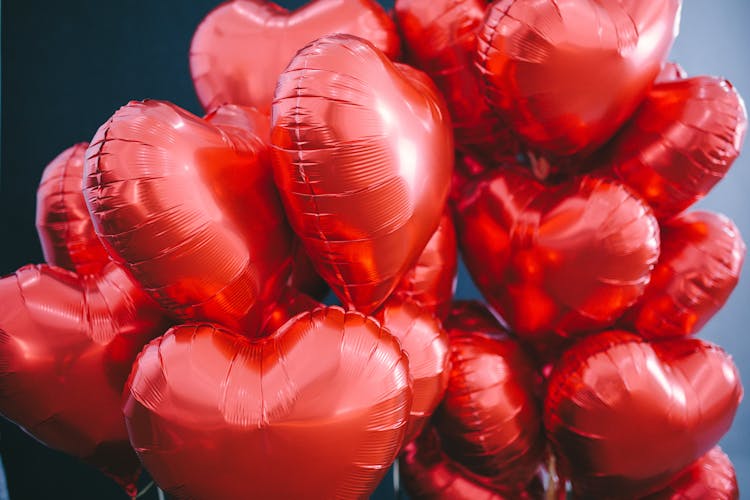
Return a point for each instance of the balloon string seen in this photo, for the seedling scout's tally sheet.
(396, 479)
(145, 490)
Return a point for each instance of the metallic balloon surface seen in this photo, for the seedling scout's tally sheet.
(679, 143)
(490, 420)
(556, 260)
(241, 47)
(291, 303)
(628, 416)
(711, 477)
(427, 474)
(700, 263)
(426, 344)
(567, 74)
(189, 207)
(431, 280)
(441, 38)
(304, 277)
(318, 410)
(671, 72)
(62, 219)
(67, 343)
(363, 154)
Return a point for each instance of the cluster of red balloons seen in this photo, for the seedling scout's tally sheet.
(576, 151)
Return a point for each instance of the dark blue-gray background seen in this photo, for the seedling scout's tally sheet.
(67, 65)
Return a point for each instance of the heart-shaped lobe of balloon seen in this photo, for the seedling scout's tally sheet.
(427, 474)
(700, 263)
(431, 280)
(363, 154)
(241, 47)
(62, 219)
(679, 143)
(627, 416)
(556, 260)
(712, 476)
(426, 344)
(67, 343)
(566, 75)
(490, 420)
(316, 411)
(441, 36)
(189, 207)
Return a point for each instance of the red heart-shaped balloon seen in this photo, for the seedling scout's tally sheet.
(441, 36)
(241, 47)
(556, 260)
(625, 416)
(430, 282)
(671, 72)
(567, 74)
(62, 219)
(427, 474)
(363, 154)
(426, 344)
(189, 207)
(67, 343)
(490, 420)
(316, 411)
(710, 477)
(679, 143)
(701, 258)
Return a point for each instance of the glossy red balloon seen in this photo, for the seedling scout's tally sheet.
(67, 343)
(431, 280)
(701, 258)
(567, 74)
(556, 260)
(189, 207)
(627, 416)
(316, 411)
(441, 37)
(62, 219)
(241, 47)
(363, 154)
(427, 474)
(679, 143)
(710, 477)
(490, 420)
(426, 344)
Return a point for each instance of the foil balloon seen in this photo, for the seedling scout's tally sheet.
(291, 303)
(712, 476)
(567, 74)
(431, 280)
(556, 261)
(363, 154)
(441, 37)
(241, 47)
(188, 206)
(679, 143)
(426, 345)
(701, 258)
(427, 474)
(490, 421)
(62, 219)
(316, 411)
(627, 416)
(67, 343)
